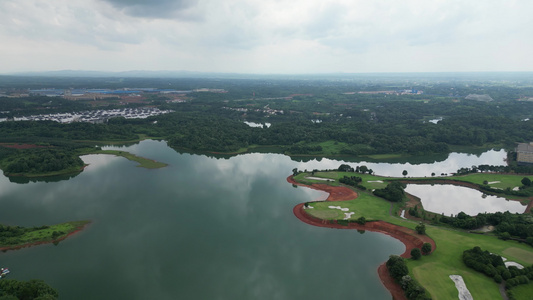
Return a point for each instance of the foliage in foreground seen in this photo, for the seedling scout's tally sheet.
(399, 271)
(26, 290)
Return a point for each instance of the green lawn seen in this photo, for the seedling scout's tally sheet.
(523, 292)
(369, 181)
(433, 271)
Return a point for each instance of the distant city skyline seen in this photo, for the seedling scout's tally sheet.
(266, 37)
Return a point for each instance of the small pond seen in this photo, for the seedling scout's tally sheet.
(253, 124)
(451, 199)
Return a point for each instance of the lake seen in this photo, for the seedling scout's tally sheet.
(201, 228)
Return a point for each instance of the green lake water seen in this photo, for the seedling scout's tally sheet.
(201, 228)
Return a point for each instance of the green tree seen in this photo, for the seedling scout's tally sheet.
(27, 290)
(345, 168)
(397, 267)
(526, 181)
(416, 253)
(363, 169)
(426, 248)
(404, 173)
(420, 228)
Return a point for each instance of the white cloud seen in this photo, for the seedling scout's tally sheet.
(267, 36)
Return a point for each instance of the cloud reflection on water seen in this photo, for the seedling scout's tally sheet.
(450, 199)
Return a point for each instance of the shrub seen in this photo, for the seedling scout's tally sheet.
(497, 278)
(426, 248)
(416, 253)
(421, 228)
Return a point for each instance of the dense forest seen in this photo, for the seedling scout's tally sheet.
(11, 289)
(329, 117)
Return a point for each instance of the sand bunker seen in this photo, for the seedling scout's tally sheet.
(464, 294)
(378, 181)
(348, 215)
(338, 207)
(318, 178)
(514, 264)
(493, 182)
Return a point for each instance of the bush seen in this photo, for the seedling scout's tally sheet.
(426, 248)
(397, 267)
(421, 228)
(497, 278)
(416, 253)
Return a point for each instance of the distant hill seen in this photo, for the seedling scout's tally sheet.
(417, 76)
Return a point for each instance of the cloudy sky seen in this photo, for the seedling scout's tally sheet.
(267, 36)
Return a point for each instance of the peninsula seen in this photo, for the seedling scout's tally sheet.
(17, 237)
(360, 209)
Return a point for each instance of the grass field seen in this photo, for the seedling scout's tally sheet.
(523, 292)
(433, 271)
(369, 181)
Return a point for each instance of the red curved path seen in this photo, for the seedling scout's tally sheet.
(407, 236)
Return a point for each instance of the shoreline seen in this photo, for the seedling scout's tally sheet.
(407, 236)
(77, 230)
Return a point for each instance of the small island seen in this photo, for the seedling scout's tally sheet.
(431, 265)
(17, 237)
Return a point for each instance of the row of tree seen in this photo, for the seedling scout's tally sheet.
(493, 266)
(394, 191)
(399, 271)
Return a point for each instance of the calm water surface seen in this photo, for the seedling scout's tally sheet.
(450, 199)
(201, 228)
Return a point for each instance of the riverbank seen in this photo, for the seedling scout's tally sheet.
(405, 235)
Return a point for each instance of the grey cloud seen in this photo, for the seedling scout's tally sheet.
(156, 9)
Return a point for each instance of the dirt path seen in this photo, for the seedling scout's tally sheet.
(407, 236)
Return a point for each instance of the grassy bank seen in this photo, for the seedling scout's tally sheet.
(431, 271)
(12, 237)
(143, 162)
